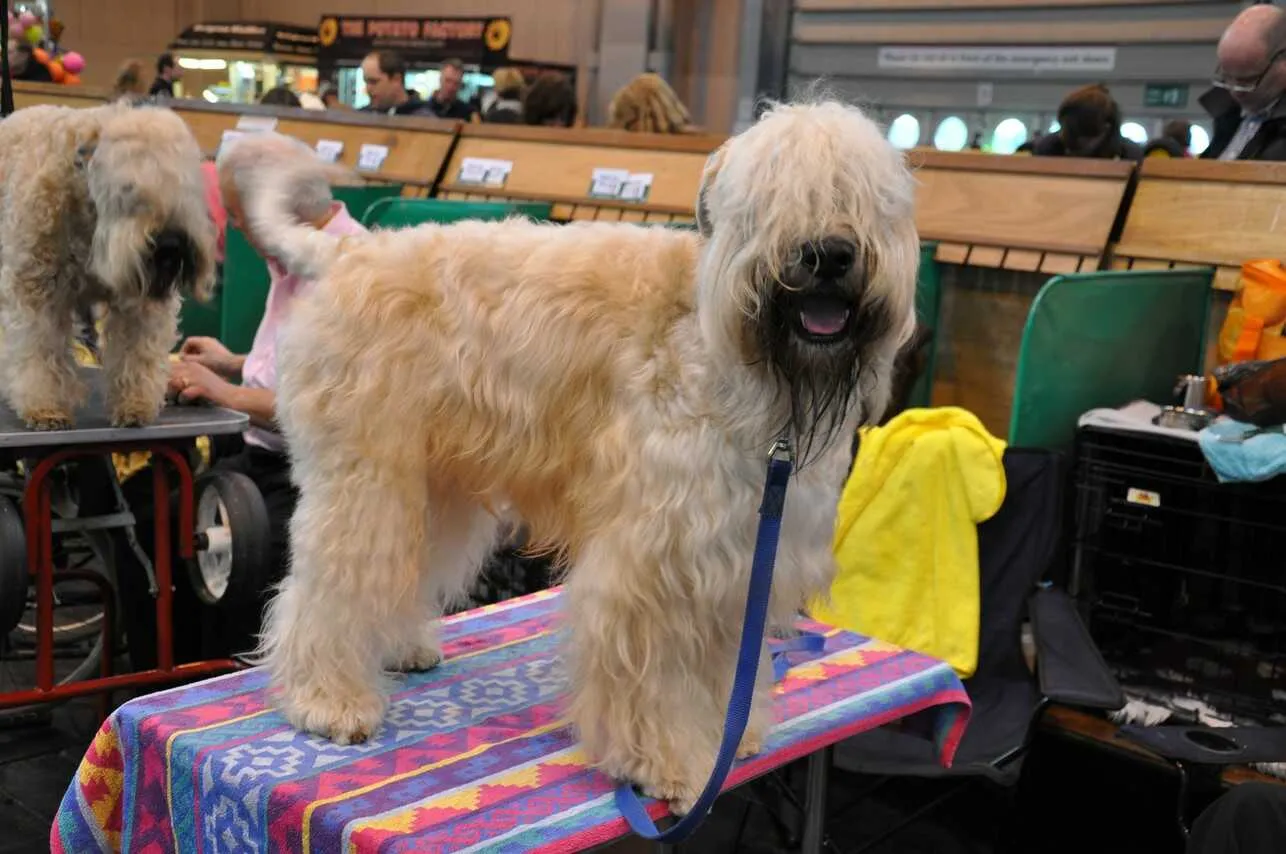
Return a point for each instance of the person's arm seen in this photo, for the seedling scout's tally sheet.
(259, 403)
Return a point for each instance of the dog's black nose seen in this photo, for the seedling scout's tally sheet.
(168, 241)
(830, 257)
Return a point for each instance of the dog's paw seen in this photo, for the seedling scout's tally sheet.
(342, 721)
(135, 414)
(680, 796)
(752, 744)
(47, 419)
(422, 658)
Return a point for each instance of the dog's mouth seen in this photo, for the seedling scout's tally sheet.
(172, 257)
(822, 318)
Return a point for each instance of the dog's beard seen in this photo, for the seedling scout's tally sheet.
(129, 258)
(816, 338)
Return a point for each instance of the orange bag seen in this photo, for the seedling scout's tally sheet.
(1257, 315)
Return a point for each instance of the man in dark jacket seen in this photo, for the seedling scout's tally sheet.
(384, 73)
(167, 72)
(1246, 102)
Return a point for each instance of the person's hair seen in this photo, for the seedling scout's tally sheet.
(164, 63)
(1275, 35)
(391, 63)
(1088, 112)
(647, 104)
(1180, 130)
(130, 79)
(327, 89)
(243, 163)
(280, 96)
(549, 98)
(451, 63)
(508, 82)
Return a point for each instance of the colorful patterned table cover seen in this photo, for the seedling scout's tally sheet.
(472, 756)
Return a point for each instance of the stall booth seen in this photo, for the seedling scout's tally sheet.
(238, 62)
(481, 44)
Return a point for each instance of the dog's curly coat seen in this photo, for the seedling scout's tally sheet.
(619, 388)
(103, 205)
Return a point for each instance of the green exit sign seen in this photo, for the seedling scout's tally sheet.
(1165, 95)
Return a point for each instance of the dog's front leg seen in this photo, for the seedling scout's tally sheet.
(139, 335)
(39, 370)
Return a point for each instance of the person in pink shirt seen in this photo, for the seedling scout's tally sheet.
(208, 372)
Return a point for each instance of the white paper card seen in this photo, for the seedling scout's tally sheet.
(484, 170)
(229, 136)
(636, 187)
(257, 124)
(372, 157)
(329, 150)
(606, 183)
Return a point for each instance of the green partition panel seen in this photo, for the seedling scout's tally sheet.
(928, 303)
(245, 292)
(359, 199)
(1102, 340)
(407, 213)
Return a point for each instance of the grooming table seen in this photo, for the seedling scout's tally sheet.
(93, 435)
(472, 756)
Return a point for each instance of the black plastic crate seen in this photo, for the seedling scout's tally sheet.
(1182, 579)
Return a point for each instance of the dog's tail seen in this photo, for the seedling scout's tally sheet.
(279, 179)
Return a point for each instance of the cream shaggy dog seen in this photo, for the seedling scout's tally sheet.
(97, 206)
(619, 387)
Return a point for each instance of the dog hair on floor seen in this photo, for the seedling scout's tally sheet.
(619, 388)
(98, 205)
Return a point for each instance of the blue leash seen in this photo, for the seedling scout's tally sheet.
(780, 463)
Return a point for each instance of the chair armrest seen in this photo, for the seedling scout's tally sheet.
(1070, 667)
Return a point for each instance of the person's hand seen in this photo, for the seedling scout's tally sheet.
(191, 382)
(211, 354)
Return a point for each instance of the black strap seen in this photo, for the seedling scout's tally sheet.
(6, 84)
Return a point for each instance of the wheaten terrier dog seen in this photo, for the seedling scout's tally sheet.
(619, 387)
(97, 206)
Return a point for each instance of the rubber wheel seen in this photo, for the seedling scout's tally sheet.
(233, 541)
(13, 567)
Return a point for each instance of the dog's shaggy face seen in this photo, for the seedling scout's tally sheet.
(153, 236)
(810, 261)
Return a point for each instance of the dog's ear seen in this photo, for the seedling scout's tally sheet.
(704, 225)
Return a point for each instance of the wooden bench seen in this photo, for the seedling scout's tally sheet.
(1205, 213)
(1004, 226)
(27, 94)
(417, 147)
(557, 165)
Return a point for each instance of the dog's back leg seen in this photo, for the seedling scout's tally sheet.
(461, 536)
(358, 543)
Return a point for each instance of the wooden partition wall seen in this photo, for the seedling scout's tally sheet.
(1004, 225)
(1207, 214)
(30, 94)
(557, 165)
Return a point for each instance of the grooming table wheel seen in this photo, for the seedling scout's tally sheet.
(13, 567)
(232, 540)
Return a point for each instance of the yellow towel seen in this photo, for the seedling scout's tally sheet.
(906, 534)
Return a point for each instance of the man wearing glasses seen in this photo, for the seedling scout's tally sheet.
(1246, 101)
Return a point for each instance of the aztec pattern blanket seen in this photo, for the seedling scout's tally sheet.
(473, 756)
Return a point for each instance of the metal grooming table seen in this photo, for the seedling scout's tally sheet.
(93, 435)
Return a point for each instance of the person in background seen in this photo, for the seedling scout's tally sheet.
(280, 96)
(1245, 100)
(505, 107)
(1175, 140)
(167, 74)
(1089, 122)
(329, 95)
(549, 101)
(384, 72)
(446, 103)
(647, 104)
(130, 81)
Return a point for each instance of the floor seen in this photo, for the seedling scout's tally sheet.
(1066, 798)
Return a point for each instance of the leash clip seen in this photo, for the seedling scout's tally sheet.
(781, 449)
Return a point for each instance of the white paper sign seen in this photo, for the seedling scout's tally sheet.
(371, 157)
(986, 92)
(974, 58)
(636, 187)
(256, 124)
(485, 171)
(329, 150)
(229, 136)
(606, 183)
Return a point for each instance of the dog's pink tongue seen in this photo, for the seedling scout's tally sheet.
(824, 319)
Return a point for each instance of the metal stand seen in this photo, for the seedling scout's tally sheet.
(819, 768)
(39, 534)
